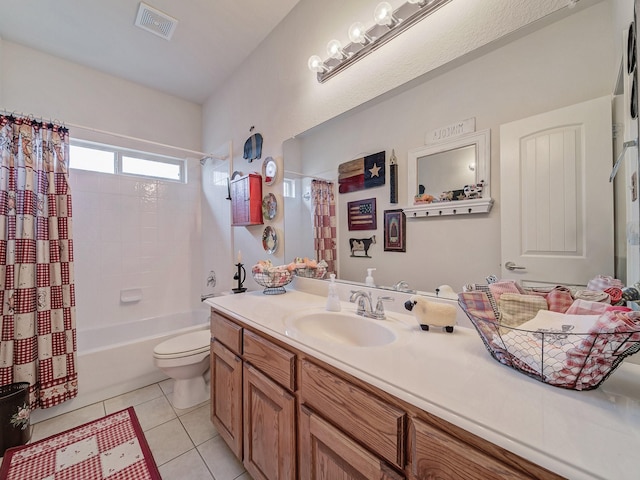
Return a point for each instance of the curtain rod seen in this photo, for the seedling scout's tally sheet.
(120, 135)
(151, 142)
(304, 175)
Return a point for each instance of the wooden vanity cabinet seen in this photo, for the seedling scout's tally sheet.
(269, 409)
(226, 381)
(287, 415)
(253, 404)
(368, 419)
(436, 454)
(270, 428)
(246, 200)
(327, 454)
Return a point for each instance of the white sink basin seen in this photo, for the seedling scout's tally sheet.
(340, 328)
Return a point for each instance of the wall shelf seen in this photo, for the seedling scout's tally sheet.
(457, 207)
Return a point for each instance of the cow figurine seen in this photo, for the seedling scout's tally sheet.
(474, 190)
(430, 313)
(361, 245)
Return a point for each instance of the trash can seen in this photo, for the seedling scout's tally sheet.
(14, 415)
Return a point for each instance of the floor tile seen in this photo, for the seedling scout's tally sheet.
(66, 421)
(182, 411)
(187, 466)
(167, 385)
(131, 399)
(198, 424)
(220, 460)
(154, 412)
(244, 476)
(168, 441)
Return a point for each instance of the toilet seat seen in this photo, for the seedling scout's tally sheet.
(189, 344)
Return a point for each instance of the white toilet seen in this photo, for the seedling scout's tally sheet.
(185, 358)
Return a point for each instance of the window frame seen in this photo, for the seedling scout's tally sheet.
(120, 152)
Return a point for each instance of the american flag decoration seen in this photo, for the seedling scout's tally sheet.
(362, 214)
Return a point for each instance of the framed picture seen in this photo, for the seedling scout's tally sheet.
(361, 214)
(395, 239)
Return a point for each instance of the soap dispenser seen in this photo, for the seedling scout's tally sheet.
(333, 300)
(369, 280)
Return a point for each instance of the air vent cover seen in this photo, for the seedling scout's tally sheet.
(154, 21)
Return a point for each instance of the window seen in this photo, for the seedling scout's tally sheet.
(85, 158)
(109, 159)
(289, 187)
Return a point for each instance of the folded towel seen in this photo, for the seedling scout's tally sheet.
(586, 307)
(541, 345)
(600, 282)
(506, 286)
(559, 299)
(516, 309)
(615, 294)
(613, 335)
(593, 295)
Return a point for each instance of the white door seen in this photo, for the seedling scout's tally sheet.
(557, 201)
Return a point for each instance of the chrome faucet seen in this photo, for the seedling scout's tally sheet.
(403, 286)
(365, 305)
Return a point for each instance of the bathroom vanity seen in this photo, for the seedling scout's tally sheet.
(294, 401)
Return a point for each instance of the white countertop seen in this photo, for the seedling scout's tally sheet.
(579, 435)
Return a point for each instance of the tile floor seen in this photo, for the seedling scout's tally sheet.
(184, 443)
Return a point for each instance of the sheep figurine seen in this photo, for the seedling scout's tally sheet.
(431, 313)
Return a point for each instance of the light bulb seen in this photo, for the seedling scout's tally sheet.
(316, 64)
(358, 34)
(421, 3)
(334, 49)
(383, 14)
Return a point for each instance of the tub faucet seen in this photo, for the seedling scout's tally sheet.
(209, 295)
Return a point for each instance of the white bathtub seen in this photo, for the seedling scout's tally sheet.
(116, 359)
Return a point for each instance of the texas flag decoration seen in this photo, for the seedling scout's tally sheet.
(366, 172)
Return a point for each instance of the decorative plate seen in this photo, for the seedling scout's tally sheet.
(269, 206)
(269, 240)
(269, 170)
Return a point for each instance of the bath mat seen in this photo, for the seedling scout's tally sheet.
(112, 447)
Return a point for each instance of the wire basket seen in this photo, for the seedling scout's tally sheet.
(308, 272)
(273, 279)
(558, 356)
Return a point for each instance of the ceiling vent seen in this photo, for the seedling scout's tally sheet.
(154, 21)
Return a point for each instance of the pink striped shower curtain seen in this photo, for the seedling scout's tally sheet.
(324, 223)
(37, 325)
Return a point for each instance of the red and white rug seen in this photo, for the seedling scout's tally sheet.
(112, 447)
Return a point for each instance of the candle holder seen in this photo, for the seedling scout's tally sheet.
(240, 276)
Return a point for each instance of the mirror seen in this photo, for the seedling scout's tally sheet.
(537, 71)
(450, 177)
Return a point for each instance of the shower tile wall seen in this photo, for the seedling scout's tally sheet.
(134, 233)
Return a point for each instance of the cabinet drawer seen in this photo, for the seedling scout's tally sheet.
(436, 454)
(366, 418)
(274, 361)
(226, 332)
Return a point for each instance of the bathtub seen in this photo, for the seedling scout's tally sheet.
(116, 359)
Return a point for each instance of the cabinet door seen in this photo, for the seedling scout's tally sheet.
(226, 396)
(435, 454)
(269, 431)
(239, 201)
(328, 454)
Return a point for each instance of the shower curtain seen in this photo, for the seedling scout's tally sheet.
(37, 325)
(324, 223)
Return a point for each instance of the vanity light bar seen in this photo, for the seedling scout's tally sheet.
(405, 16)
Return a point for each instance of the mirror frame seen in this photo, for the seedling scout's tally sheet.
(482, 142)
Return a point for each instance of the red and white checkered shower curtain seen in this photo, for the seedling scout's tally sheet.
(37, 334)
(324, 223)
